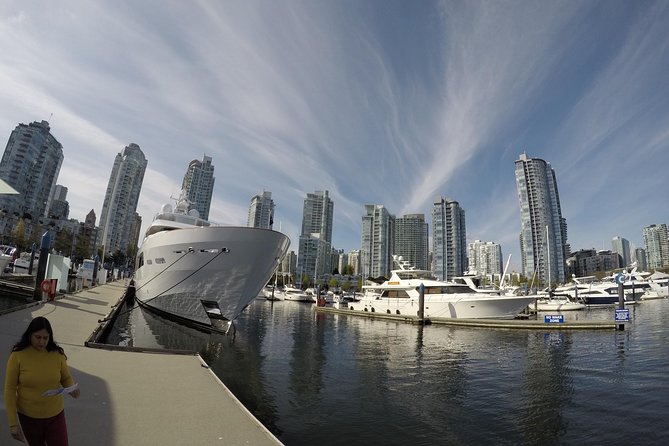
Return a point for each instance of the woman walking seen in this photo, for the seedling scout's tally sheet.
(37, 376)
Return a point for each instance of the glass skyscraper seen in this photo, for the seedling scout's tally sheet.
(118, 220)
(656, 239)
(30, 164)
(449, 239)
(378, 237)
(313, 258)
(621, 247)
(411, 240)
(543, 235)
(198, 185)
(261, 211)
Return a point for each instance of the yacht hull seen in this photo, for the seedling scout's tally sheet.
(200, 274)
(557, 305)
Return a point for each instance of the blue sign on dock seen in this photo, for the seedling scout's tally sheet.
(622, 315)
(554, 318)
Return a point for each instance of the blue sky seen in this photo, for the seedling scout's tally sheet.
(378, 102)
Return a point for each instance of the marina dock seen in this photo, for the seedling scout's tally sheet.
(130, 397)
(482, 323)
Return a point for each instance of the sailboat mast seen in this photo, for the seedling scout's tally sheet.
(548, 245)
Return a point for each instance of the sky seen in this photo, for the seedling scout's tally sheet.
(376, 101)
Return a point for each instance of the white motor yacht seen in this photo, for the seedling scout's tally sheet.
(196, 271)
(400, 295)
(295, 294)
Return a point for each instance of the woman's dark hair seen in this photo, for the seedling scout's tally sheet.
(37, 324)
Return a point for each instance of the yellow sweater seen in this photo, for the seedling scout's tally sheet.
(30, 373)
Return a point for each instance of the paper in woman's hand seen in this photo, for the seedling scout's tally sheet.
(61, 391)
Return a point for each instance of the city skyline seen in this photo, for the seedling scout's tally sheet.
(429, 99)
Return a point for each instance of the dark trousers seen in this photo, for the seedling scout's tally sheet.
(44, 431)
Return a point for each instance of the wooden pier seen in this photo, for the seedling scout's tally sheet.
(519, 323)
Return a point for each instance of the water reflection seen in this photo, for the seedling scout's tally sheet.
(337, 379)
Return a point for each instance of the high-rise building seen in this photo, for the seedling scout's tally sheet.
(90, 219)
(198, 185)
(485, 258)
(656, 240)
(640, 259)
(288, 267)
(543, 236)
(335, 255)
(449, 238)
(378, 237)
(118, 219)
(354, 261)
(261, 211)
(411, 240)
(58, 207)
(30, 164)
(621, 246)
(313, 258)
(342, 262)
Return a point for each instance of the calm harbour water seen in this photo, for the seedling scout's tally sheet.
(316, 378)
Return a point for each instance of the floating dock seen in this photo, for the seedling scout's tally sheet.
(130, 397)
(484, 323)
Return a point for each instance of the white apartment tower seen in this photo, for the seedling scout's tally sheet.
(449, 238)
(261, 211)
(543, 234)
(378, 236)
(30, 164)
(485, 258)
(198, 185)
(118, 220)
(656, 240)
(313, 257)
(288, 267)
(354, 261)
(411, 240)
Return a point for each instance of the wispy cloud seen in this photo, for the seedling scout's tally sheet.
(394, 108)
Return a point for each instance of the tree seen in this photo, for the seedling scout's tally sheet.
(306, 281)
(333, 283)
(63, 242)
(82, 247)
(36, 236)
(131, 253)
(19, 234)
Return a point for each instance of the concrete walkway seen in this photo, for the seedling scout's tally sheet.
(130, 398)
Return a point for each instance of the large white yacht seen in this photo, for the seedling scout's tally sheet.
(401, 293)
(194, 270)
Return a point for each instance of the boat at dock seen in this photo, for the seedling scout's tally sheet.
(400, 295)
(658, 286)
(557, 303)
(199, 272)
(593, 293)
(295, 294)
(23, 261)
(7, 257)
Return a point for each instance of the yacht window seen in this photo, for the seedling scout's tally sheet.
(160, 260)
(149, 262)
(395, 294)
(452, 289)
(140, 260)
